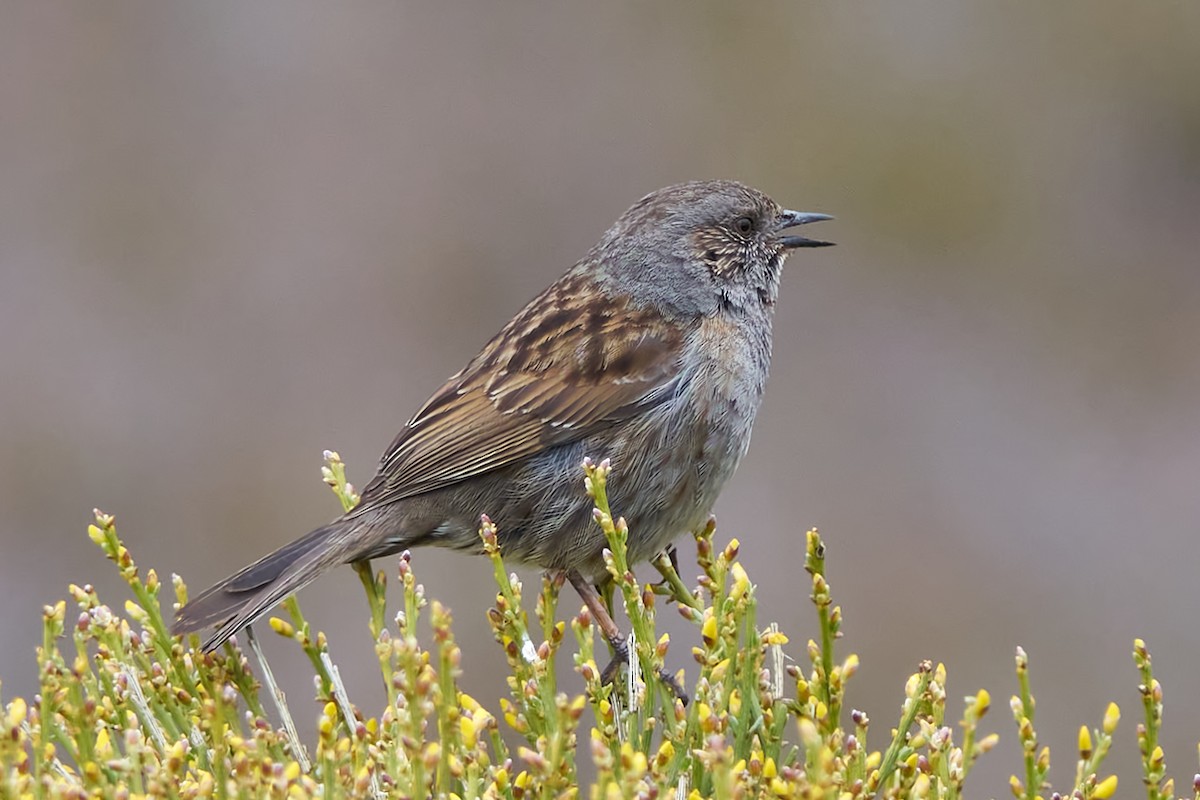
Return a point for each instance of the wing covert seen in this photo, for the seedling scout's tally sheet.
(547, 379)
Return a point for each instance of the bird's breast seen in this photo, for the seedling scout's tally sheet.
(733, 356)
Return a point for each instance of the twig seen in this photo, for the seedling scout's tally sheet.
(343, 701)
(143, 708)
(289, 725)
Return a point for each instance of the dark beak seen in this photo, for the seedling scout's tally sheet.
(790, 219)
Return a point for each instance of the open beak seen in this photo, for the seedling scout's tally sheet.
(790, 219)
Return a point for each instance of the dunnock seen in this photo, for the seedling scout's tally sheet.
(652, 352)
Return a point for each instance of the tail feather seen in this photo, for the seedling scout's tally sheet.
(242, 598)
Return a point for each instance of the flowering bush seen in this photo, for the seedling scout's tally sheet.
(125, 709)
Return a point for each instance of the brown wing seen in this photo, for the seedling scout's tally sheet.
(559, 371)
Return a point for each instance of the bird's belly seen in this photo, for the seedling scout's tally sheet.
(674, 478)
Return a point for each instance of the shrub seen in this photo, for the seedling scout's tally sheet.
(125, 709)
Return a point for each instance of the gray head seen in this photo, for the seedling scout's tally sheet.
(696, 246)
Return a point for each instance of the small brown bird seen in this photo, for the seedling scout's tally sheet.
(652, 352)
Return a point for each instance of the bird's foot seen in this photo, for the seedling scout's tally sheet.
(615, 639)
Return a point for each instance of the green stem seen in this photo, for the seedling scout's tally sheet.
(892, 754)
(678, 591)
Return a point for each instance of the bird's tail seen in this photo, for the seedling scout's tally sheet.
(245, 596)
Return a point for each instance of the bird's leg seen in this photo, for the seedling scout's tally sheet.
(614, 637)
(591, 599)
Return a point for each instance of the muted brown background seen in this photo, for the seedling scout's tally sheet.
(235, 234)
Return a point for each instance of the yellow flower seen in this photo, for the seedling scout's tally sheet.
(1112, 715)
(983, 701)
(466, 729)
(1085, 742)
(282, 627)
(16, 713)
(1105, 788)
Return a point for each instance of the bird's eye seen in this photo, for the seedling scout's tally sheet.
(744, 224)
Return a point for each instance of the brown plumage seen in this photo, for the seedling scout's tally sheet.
(544, 380)
(652, 351)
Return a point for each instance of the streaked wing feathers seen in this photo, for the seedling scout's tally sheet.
(545, 380)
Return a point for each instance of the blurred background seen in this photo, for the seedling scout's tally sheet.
(233, 235)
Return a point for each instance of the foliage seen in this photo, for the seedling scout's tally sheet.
(125, 709)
